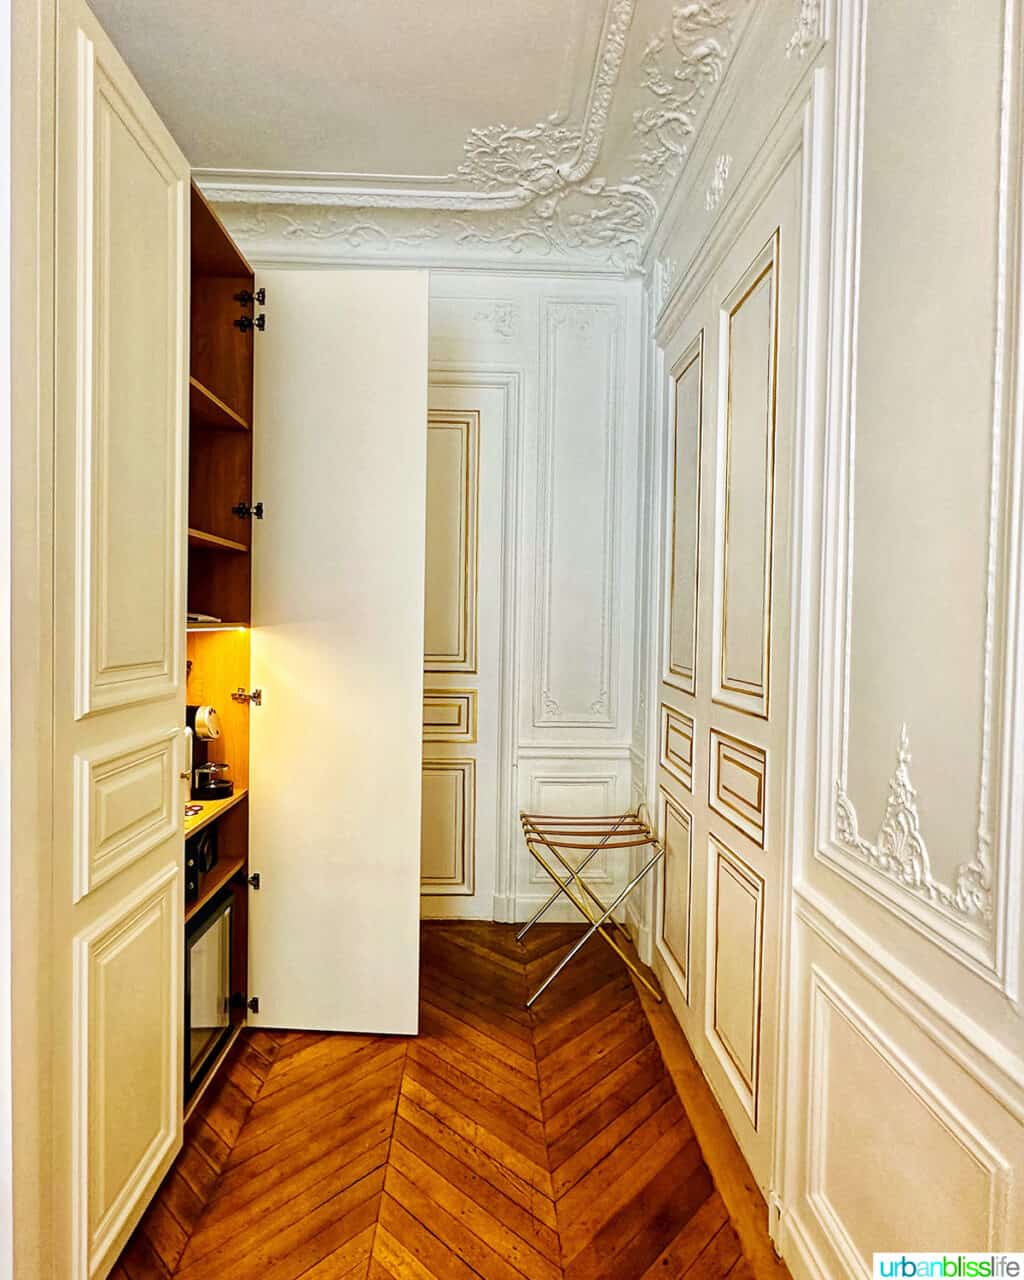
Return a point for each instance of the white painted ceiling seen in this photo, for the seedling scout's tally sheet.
(539, 129)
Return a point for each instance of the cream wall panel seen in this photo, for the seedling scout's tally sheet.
(449, 715)
(448, 846)
(577, 485)
(866, 1101)
(688, 387)
(909, 483)
(453, 488)
(736, 941)
(910, 1138)
(923, 519)
(749, 321)
(572, 784)
(737, 783)
(677, 745)
(676, 831)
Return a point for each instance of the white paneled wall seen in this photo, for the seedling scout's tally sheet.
(568, 352)
(899, 1108)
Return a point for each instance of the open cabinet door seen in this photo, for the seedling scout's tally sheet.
(339, 463)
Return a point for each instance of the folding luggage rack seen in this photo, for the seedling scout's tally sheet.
(548, 834)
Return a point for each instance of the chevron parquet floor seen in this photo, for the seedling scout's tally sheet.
(500, 1143)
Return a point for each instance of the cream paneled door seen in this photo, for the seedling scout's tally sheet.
(724, 666)
(122, 296)
(461, 641)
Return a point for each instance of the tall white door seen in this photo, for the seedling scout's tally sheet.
(119, 679)
(462, 637)
(340, 451)
(730, 361)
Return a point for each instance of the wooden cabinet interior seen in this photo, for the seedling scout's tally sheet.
(220, 419)
(219, 667)
(219, 564)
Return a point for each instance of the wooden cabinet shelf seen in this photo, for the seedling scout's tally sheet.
(212, 810)
(213, 881)
(208, 410)
(211, 542)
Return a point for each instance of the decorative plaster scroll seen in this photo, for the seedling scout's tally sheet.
(899, 850)
(715, 192)
(696, 46)
(808, 27)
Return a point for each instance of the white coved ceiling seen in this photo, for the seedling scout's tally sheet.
(489, 130)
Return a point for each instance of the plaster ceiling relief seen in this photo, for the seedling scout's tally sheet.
(543, 134)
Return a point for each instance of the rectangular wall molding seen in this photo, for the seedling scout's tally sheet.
(736, 955)
(746, 484)
(449, 826)
(677, 744)
(449, 715)
(684, 518)
(576, 646)
(737, 783)
(675, 827)
(453, 489)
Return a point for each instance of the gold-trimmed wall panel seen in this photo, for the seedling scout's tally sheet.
(746, 486)
(449, 715)
(737, 957)
(448, 833)
(452, 539)
(677, 739)
(684, 558)
(676, 828)
(737, 775)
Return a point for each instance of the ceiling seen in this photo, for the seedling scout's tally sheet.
(487, 131)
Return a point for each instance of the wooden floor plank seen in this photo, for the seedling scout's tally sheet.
(502, 1143)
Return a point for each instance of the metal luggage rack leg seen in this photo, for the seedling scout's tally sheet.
(592, 835)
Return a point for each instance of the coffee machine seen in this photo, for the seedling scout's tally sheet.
(211, 779)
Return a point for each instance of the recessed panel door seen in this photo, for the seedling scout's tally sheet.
(465, 453)
(731, 375)
(118, 673)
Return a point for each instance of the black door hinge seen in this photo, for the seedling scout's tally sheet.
(253, 1004)
(248, 511)
(246, 298)
(254, 880)
(245, 323)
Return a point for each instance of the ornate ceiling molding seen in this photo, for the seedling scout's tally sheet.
(550, 190)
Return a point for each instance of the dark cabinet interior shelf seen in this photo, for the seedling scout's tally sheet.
(213, 881)
(208, 410)
(211, 542)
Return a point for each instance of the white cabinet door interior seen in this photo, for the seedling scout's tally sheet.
(337, 649)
